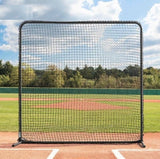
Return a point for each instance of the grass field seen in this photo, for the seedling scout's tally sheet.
(9, 114)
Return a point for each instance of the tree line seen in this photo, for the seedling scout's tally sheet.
(86, 77)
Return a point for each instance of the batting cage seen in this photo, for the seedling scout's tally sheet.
(80, 82)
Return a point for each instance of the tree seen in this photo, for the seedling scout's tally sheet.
(148, 81)
(38, 78)
(14, 77)
(53, 77)
(4, 80)
(1, 68)
(75, 81)
(69, 72)
(88, 72)
(39, 73)
(114, 72)
(149, 71)
(132, 70)
(129, 82)
(151, 77)
(78, 79)
(28, 75)
(88, 83)
(7, 68)
(106, 81)
(98, 72)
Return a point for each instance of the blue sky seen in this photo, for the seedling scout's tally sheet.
(147, 12)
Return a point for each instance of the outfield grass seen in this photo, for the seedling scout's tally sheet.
(8, 95)
(88, 96)
(9, 116)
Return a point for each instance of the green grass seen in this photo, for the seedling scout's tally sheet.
(152, 117)
(39, 103)
(76, 120)
(8, 95)
(8, 115)
(153, 97)
(88, 96)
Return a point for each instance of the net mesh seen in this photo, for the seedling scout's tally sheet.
(80, 82)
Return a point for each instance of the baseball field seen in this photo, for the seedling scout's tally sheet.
(87, 107)
(9, 109)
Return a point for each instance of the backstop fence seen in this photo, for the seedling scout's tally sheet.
(71, 75)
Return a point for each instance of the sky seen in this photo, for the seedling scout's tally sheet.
(14, 12)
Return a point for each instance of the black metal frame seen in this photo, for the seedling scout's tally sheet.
(21, 140)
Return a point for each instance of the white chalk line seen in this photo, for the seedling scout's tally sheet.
(118, 155)
(53, 154)
(138, 150)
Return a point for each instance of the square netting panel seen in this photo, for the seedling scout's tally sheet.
(80, 81)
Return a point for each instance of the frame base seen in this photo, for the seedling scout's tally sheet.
(142, 145)
(19, 141)
(23, 141)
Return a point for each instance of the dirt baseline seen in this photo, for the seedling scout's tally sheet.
(94, 99)
(81, 105)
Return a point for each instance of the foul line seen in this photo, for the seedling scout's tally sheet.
(118, 155)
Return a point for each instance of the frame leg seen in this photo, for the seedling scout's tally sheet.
(17, 143)
(142, 145)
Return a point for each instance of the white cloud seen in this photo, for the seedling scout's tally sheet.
(152, 61)
(15, 11)
(3, 11)
(13, 2)
(152, 48)
(152, 37)
(65, 37)
(23, 12)
(152, 21)
(89, 2)
(10, 35)
(29, 57)
(152, 56)
(102, 11)
(34, 11)
(16, 2)
(60, 10)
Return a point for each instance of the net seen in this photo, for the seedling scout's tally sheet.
(80, 82)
